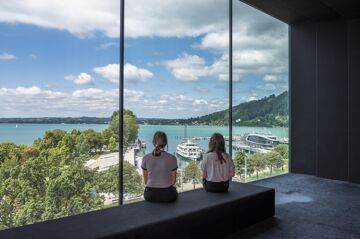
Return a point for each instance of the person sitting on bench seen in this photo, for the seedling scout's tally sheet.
(217, 167)
(159, 171)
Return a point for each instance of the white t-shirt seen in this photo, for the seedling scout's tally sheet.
(216, 171)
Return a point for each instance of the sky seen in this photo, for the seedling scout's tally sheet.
(62, 59)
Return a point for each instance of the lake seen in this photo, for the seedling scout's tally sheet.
(27, 133)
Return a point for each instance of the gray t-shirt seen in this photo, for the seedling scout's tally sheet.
(159, 169)
(216, 171)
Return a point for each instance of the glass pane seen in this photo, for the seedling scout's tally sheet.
(56, 101)
(260, 94)
(176, 78)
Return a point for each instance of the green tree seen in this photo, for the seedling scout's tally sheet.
(10, 151)
(130, 127)
(283, 150)
(192, 173)
(133, 181)
(113, 145)
(108, 134)
(52, 185)
(257, 162)
(273, 160)
(108, 181)
(50, 139)
(239, 161)
(29, 153)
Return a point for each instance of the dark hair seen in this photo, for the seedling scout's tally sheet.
(217, 145)
(159, 142)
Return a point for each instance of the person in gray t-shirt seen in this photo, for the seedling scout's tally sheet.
(217, 167)
(159, 171)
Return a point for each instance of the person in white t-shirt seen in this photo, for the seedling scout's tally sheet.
(217, 167)
(159, 171)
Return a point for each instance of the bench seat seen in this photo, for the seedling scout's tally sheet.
(196, 214)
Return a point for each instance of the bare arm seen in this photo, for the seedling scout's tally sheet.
(232, 173)
(203, 174)
(173, 177)
(145, 174)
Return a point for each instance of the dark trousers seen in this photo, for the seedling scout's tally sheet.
(160, 194)
(215, 187)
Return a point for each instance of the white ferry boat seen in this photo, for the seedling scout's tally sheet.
(189, 150)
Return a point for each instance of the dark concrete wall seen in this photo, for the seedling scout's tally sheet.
(354, 100)
(325, 74)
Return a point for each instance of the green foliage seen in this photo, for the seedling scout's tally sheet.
(270, 111)
(257, 162)
(113, 145)
(48, 186)
(192, 173)
(50, 180)
(10, 151)
(273, 160)
(50, 139)
(283, 150)
(29, 153)
(108, 181)
(133, 181)
(239, 161)
(89, 141)
(130, 128)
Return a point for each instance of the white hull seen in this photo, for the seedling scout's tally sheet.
(188, 150)
(187, 156)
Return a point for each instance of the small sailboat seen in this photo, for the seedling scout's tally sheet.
(16, 126)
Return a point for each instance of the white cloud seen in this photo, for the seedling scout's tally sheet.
(131, 73)
(82, 79)
(175, 18)
(187, 67)
(267, 87)
(7, 57)
(81, 18)
(107, 45)
(36, 102)
(29, 92)
(133, 95)
(91, 93)
(85, 18)
(200, 102)
(248, 98)
(33, 56)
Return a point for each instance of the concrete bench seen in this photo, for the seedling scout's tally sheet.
(196, 214)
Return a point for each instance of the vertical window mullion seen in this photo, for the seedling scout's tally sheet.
(121, 103)
(230, 75)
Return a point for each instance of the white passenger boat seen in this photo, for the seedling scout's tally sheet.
(188, 150)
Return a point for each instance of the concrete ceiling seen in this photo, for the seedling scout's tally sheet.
(293, 11)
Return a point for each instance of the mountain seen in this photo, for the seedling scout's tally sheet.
(270, 111)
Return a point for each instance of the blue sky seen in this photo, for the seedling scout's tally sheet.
(55, 61)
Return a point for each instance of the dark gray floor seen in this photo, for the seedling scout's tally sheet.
(309, 207)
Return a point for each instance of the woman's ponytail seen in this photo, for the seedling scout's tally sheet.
(159, 142)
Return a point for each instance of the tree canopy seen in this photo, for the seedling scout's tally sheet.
(49, 179)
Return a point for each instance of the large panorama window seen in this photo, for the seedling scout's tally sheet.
(60, 90)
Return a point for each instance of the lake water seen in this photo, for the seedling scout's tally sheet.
(27, 133)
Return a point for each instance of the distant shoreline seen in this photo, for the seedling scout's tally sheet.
(56, 120)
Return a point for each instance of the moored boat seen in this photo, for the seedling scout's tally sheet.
(189, 150)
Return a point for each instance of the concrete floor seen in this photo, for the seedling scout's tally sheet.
(309, 207)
